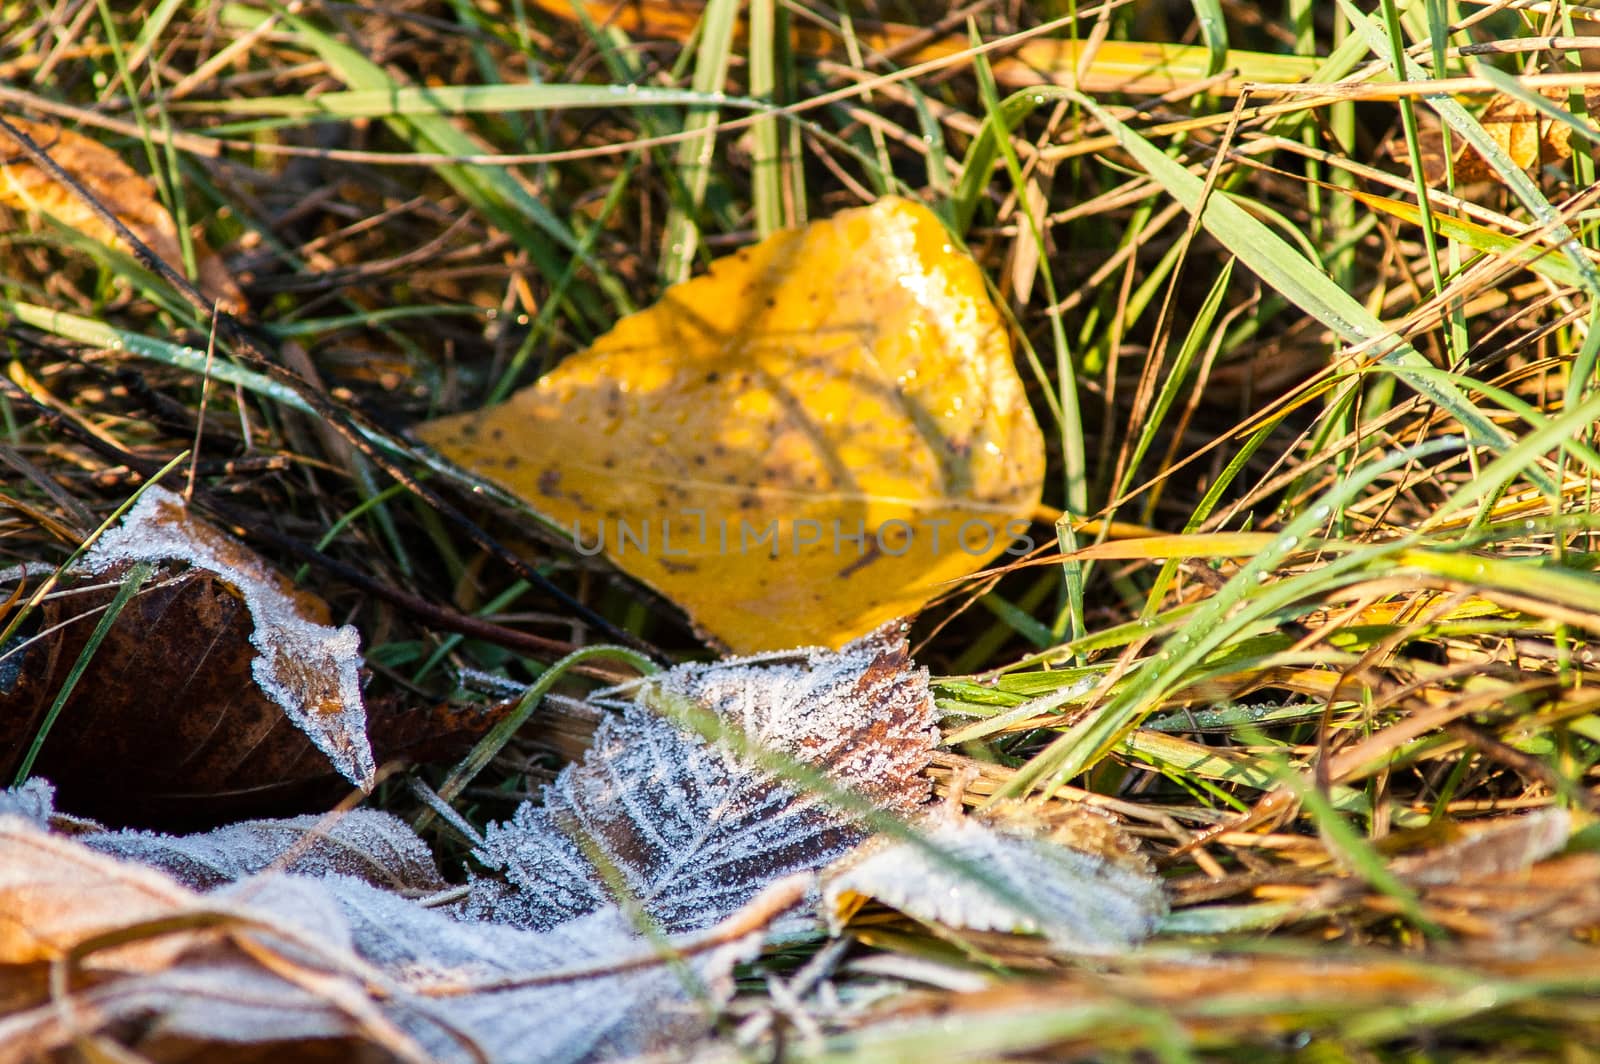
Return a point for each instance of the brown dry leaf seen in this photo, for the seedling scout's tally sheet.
(221, 690)
(1527, 136)
(805, 443)
(119, 187)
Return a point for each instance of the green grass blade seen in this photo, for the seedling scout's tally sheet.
(490, 189)
(1286, 270)
(1213, 33)
(131, 583)
(767, 165)
(681, 238)
(410, 101)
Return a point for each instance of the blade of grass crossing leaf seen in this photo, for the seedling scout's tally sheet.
(1280, 266)
(131, 583)
(700, 720)
(681, 237)
(501, 733)
(767, 165)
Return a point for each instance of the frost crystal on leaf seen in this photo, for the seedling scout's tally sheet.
(33, 800)
(574, 993)
(309, 669)
(968, 874)
(696, 828)
(363, 843)
(352, 961)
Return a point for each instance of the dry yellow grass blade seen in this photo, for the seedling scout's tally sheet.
(801, 445)
(120, 188)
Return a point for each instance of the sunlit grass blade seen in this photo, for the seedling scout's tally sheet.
(1472, 131)
(766, 176)
(681, 236)
(1258, 247)
(492, 190)
(1248, 595)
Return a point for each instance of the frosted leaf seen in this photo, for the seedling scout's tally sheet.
(993, 880)
(33, 800)
(863, 713)
(343, 959)
(693, 828)
(310, 669)
(193, 979)
(221, 1000)
(55, 893)
(588, 998)
(363, 843)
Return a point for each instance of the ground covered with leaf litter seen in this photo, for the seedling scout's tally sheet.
(583, 531)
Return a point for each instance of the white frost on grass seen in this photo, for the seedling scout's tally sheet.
(311, 670)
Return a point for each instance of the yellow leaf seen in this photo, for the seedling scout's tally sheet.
(118, 187)
(847, 379)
